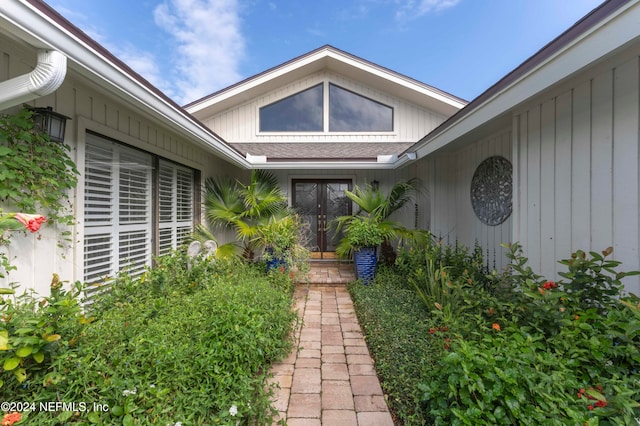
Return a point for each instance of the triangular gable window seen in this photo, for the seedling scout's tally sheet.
(350, 112)
(301, 112)
(347, 112)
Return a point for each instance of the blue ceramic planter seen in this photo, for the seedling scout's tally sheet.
(275, 262)
(366, 260)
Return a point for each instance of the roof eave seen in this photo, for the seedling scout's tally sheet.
(353, 164)
(323, 58)
(526, 81)
(40, 26)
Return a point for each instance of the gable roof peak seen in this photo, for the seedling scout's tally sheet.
(328, 58)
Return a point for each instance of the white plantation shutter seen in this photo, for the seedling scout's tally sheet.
(176, 188)
(119, 199)
(118, 202)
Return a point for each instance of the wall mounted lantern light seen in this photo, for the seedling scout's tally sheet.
(51, 122)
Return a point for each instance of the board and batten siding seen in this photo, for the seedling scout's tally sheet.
(577, 170)
(241, 123)
(37, 257)
(449, 174)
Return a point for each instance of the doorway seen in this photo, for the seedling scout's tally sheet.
(319, 202)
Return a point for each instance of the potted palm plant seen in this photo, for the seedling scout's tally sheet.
(278, 236)
(376, 207)
(364, 234)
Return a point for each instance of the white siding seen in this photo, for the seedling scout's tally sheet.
(240, 123)
(577, 155)
(95, 110)
(452, 218)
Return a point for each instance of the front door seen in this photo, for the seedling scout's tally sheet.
(319, 202)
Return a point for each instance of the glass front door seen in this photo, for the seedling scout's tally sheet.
(319, 202)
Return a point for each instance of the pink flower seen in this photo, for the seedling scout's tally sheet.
(31, 221)
(11, 418)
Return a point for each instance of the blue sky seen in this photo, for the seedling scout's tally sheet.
(191, 48)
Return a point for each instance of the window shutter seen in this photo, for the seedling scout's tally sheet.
(117, 205)
(118, 200)
(98, 185)
(175, 189)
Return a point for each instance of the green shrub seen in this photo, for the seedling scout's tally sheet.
(546, 354)
(179, 344)
(593, 281)
(512, 348)
(33, 332)
(394, 325)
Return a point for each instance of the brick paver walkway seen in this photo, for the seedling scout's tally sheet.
(329, 378)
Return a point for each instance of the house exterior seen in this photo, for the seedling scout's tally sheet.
(548, 156)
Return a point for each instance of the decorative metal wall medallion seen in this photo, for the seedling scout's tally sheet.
(491, 190)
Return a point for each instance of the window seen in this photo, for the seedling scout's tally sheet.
(350, 112)
(347, 112)
(301, 112)
(176, 205)
(120, 197)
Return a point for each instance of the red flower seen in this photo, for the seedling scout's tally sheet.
(495, 326)
(11, 418)
(31, 221)
(432, 330)
(281, 269)
(549, 285)
(601, 404)
(590, 407)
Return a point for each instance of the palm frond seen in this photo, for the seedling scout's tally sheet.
(401, 193)
(368, 200)
(262, 197)
(222, 202)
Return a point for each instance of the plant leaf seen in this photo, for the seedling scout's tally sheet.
(11, 363)
(4, 340)
(24, 351)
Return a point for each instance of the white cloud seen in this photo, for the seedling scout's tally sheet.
(142, 62)
(209, 45)
(411, 9)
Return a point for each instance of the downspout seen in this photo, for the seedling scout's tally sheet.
(45, 78)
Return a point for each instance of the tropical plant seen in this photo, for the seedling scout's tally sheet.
(230, 204)
(279, 234)
(364, 231)
(378, 207)
(282, 240)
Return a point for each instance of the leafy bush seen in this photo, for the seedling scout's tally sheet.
(34, 332)
(514, 348)
(458, 261)
(396, 328)
(542, 352)
(179, 344)
(36, 173)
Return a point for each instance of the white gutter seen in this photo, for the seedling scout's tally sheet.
(40, 30)
(45, 79)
